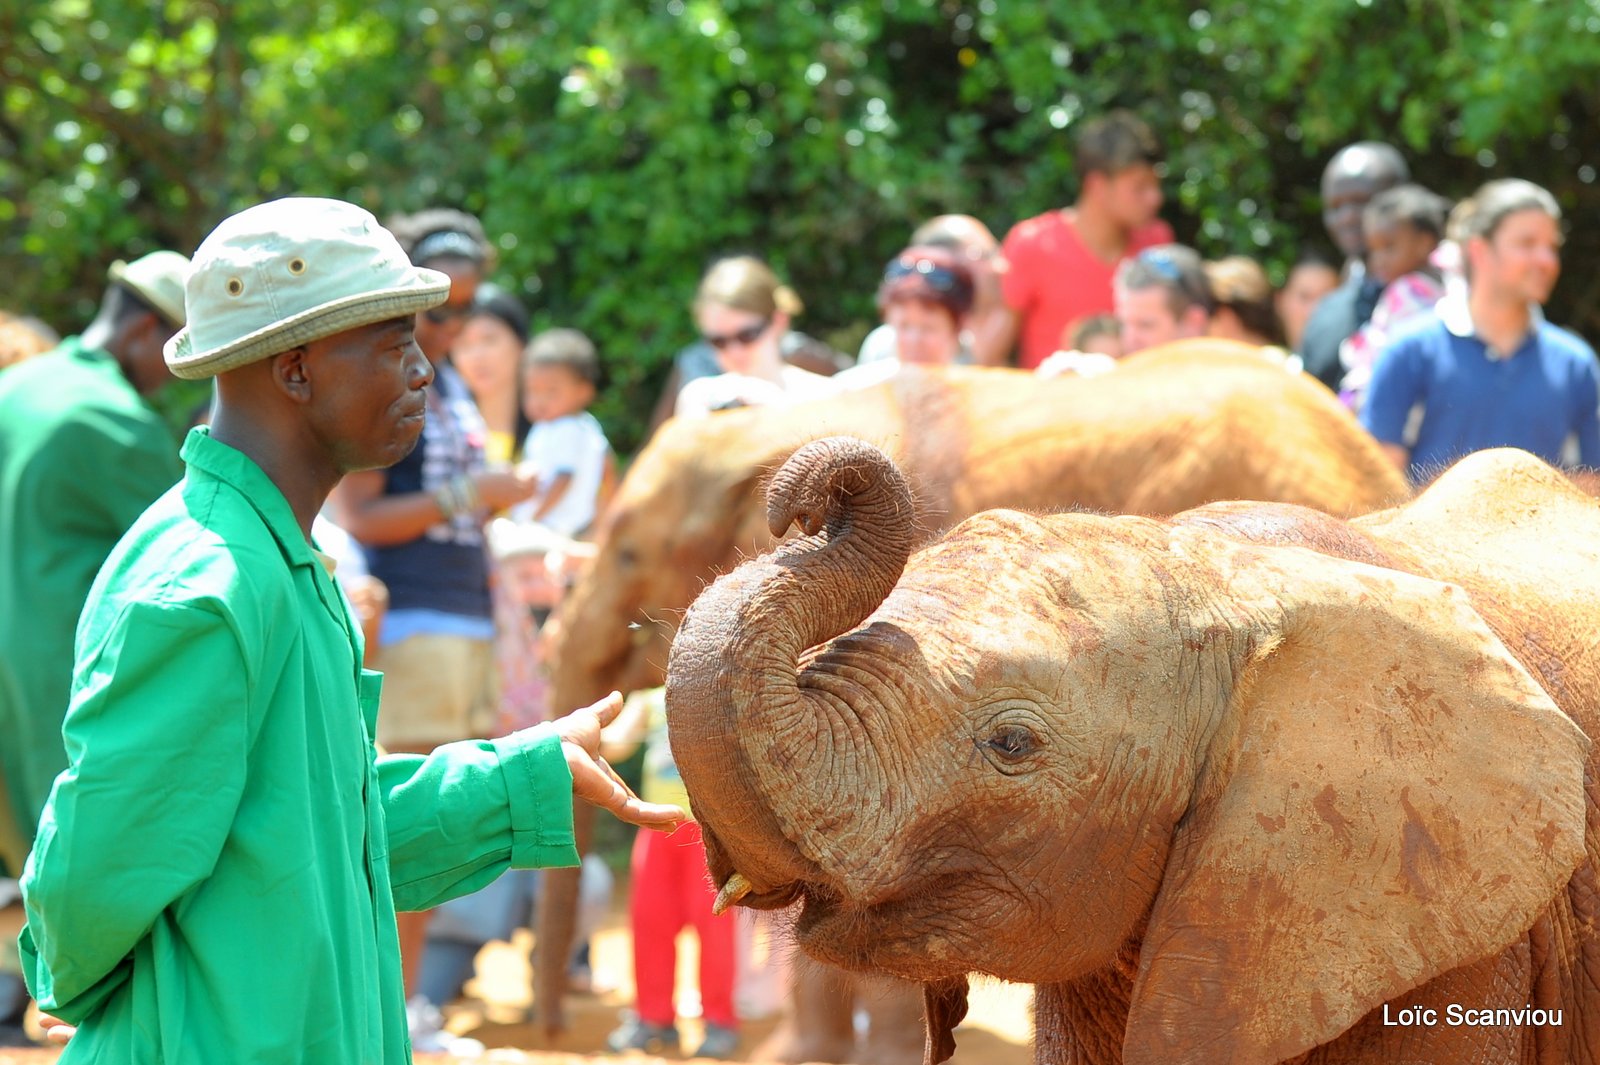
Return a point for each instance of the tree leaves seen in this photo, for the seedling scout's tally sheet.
(615, 147)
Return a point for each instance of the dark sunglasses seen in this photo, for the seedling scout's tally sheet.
(447, 313)
(938, 277)
(748, 335)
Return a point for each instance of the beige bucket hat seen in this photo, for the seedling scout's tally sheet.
(288, 272)
(158, 280)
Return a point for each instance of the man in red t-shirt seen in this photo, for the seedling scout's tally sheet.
(1061, 262)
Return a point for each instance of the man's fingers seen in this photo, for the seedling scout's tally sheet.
(597, 783)
(612, 773)
(56, 1030)
(653, 815)
(608, 708)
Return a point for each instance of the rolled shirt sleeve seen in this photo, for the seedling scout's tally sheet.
(156, 737)
(461, 816)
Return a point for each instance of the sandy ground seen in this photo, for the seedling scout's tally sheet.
(997, 1031)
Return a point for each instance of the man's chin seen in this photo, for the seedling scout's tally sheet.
(400, 446)
(407, 444)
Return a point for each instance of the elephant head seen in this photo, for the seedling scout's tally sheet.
(1290, 787)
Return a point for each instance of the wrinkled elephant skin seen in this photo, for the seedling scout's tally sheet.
(1252, 784)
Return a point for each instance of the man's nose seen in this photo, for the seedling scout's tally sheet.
(419, 371)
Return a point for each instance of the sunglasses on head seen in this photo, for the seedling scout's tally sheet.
(940, 278)
(1161, 263)
(748, 335)
(446, 312)
(1171, 271)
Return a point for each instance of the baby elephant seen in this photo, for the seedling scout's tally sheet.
(1248, 785)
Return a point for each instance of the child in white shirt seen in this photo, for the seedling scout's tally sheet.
(566, 445)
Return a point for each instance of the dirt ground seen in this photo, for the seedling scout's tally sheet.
(997, 1031)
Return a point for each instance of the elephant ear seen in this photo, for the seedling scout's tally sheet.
(1389, 795)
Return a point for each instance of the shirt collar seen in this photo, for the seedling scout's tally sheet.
(236, 469)
(1456, 315)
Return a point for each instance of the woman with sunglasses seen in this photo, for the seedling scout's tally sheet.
(743, 312)
(421, 523)
(925, 298)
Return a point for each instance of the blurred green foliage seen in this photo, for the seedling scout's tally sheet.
(614, 147)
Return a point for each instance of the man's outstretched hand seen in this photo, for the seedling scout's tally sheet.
(595, 781)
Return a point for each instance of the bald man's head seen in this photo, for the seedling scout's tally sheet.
(1352, 177)
(960, 232)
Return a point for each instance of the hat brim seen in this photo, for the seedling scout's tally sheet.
(325, 320)
(156, 299)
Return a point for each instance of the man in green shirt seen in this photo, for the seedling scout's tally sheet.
(81, 456)
(216, 874)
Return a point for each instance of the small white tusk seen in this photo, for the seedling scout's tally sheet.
(735, 889)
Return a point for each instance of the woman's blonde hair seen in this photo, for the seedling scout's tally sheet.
(745, 283)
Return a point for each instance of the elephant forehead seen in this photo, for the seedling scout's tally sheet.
(1075, 572)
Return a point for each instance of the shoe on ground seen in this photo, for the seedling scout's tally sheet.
(720, 1043)
(635, 1033)
(428, 1034)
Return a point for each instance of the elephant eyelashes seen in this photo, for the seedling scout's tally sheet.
(1009, 746)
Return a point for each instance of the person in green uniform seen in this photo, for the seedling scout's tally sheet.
(216, 873)
(81, 456)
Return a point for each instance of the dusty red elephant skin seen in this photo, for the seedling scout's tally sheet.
(1194, 422)
(1252, 784)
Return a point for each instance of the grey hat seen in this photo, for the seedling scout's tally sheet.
(157, 278)
(287, 272)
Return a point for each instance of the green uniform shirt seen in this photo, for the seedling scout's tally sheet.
(216, 874)
(81, 456)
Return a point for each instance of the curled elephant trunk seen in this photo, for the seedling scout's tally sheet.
(745, 733)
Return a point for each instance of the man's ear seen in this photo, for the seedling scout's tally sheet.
(291, 373)
(1194, 321)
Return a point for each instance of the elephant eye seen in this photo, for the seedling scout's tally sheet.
(1009, 745)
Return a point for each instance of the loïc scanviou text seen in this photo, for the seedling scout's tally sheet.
(1456, 1015)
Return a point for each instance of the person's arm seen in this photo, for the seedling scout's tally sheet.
(1017, 299)
(1588, 427)
(461, 816)
(113, 464)
(378, 520)
(693, 399)
(157, 738)
(994, 336)
(1396, 387)
(554, 494)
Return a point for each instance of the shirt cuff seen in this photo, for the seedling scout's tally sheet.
(539, 789)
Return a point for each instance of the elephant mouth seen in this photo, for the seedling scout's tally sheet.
(901, 935)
